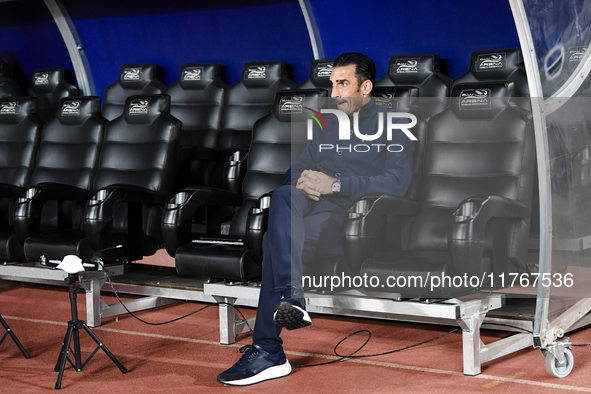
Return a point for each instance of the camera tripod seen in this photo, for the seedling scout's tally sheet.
(74, 327)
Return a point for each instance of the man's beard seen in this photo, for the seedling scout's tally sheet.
(353, 104)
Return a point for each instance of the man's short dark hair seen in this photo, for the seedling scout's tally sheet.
(365, 68)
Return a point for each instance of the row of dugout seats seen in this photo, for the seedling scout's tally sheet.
(206, 105)
(78, 184)
(123, 197)
(456, 218)
(446, 224)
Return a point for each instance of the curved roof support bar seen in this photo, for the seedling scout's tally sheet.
(537, 101)
(75, 49)
(315, 39)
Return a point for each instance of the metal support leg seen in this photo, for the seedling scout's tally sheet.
(472, 315)
(227, 319)
(93, 300)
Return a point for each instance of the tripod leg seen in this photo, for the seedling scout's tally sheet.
(102, 346)
(77, 355)
(64, 356)
(14, 338)
(65, 346)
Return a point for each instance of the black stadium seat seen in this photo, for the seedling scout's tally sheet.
(49, 85)
(134, 79)
(20, 131)
(123, 193)
(134, 179)
(475, 197)
(402, 99)
(319, 78)
(197, 100)
(423, 72)
(8, 81)
(504, 64)
(249, 99)
(277, 138)
(49, 218)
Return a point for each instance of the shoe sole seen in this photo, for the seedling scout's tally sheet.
(291, 316)
(275, 372)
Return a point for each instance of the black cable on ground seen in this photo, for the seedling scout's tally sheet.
(352, 355)
(173, 320)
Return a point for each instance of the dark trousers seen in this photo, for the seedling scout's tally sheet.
(299, 230)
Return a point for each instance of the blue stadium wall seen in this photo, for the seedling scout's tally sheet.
(230, 32)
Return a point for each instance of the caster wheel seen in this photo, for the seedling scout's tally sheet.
(556, 370)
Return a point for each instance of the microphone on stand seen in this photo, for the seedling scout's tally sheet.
(95, 261)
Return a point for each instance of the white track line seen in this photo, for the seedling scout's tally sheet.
(368, 362)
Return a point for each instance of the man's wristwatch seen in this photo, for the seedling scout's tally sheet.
(336, 186)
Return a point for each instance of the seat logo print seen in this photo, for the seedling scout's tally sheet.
(324, 70)
(385, 101)
(8, 108)
(71, 108)
(257, 72)
(41, 79)
(131, 74)
(192, 74)
(138, 107)
(475, 99)
(404, 66)
(291, 105)
(492, 61)
(575, 54)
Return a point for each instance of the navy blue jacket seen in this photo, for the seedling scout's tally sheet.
(361, 170)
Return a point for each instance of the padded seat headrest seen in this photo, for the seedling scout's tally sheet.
(145, 108)
(481, 100)
(395, 98)
(198, 75)
(75, 110)
(320, 71)
(413, 68)
(495, 64)
(263, 74)
(45, 80)
(135, 76)
(290, 103)
(15, 109)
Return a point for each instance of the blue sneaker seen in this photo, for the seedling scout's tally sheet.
(291, 314)
(256, 365)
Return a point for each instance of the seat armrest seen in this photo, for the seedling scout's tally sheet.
(467, 231)
(256, 227)
(361, 224)
(235, 170)
(11, 191)
(99, 211)
(177, 219)
(28, 208)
